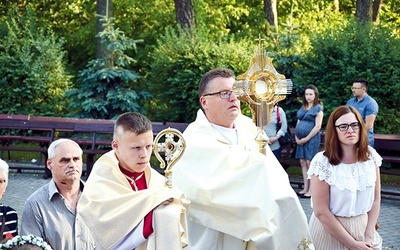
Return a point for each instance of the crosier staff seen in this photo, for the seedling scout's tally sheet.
(173, 150)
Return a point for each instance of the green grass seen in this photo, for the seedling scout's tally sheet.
(22, 156)
(25, 156)
(390, 179)
(386, 179)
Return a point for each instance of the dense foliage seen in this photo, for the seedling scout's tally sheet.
(178, 63)
(317, 42)
(107, 85)
(343, 54)
(33, 79)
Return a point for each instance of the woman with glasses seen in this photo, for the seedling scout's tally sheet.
(345, 186)
(307, 131)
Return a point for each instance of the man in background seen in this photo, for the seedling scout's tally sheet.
(365, 105)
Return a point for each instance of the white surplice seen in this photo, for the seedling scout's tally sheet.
(240, 198)
(112, 210)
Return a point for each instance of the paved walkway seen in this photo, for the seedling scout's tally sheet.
(21, 185)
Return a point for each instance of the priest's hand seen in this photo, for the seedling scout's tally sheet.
(168, 201)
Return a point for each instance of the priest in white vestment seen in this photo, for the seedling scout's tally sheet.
(126, 204)
(240, 198)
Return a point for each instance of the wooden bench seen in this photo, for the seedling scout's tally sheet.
(388, 146)
(93, 135)
(44, 130)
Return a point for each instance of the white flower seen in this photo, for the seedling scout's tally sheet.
(22, 240)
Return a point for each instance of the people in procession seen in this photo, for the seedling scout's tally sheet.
(240, 198)
(126, 203)
(346, 189)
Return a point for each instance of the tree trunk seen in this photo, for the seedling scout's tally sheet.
(336, 5)
(185, 15)
(271, 13)
(103, 8)
(364, 11)
(376, 9)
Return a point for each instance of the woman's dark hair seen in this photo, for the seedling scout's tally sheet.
(316, 92)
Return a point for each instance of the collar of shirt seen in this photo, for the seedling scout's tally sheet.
(136, 180)
(54, 190)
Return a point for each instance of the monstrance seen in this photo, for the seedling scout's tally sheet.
(261, 87)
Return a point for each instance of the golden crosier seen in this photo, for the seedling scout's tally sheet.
(173, 151)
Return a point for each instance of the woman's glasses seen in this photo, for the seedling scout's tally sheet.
(344, 127)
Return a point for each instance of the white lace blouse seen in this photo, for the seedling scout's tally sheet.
(352, 186)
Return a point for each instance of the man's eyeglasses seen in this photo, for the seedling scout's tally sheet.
(355, 88)
(344, 127)
(224, 94)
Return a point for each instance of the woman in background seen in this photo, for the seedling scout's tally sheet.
(308, 137)
(8, 216)
(272, 132)
(346, 191)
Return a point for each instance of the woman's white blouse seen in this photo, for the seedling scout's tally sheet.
(352, 186)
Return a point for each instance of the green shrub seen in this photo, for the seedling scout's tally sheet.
(343, 54)
(108, 85)
(177, 64)
(33, 77)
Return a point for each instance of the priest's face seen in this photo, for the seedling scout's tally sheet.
(132, 150)
(220, 105)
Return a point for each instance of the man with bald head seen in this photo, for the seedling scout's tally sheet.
(50, 212)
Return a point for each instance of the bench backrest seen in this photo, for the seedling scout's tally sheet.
(75, 125)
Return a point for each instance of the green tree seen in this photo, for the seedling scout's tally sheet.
(107, 86)
(146, 20)
(343, 54)
(103, 9)
(178, 63)
(299, 23)
(72, 20)
(33, 78)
